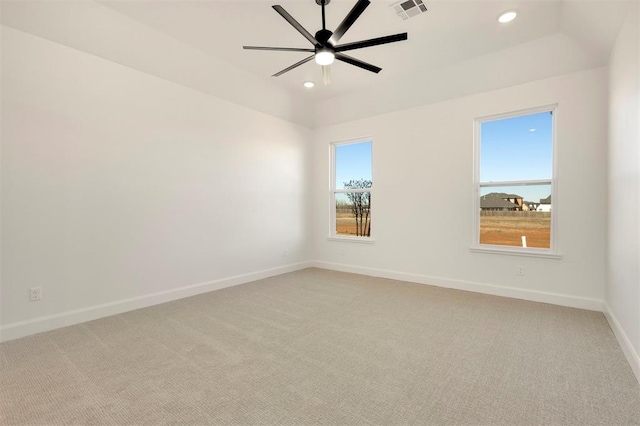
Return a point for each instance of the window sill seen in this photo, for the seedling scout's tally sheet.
(540, 253)
(360, 240)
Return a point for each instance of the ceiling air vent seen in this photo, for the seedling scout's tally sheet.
(409, 8)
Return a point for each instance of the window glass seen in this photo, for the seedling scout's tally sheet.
(518, 216)
(353, 214)
(352, 162)
(351, 189)
(517, 148)
(515, 181)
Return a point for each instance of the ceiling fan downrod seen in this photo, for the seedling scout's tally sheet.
(323, 35)
(323, 3)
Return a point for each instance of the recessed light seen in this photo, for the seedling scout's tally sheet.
(309, 84)
(507, 16)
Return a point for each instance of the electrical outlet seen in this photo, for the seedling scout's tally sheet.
(520, 271)
(36, 293)
(285, 253)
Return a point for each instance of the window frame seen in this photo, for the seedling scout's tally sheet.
(552, 251)
(333, 191)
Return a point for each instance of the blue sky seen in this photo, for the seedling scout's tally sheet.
(353, 161)
(518, 148)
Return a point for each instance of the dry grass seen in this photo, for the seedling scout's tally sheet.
(508, 231)
(498, 230)
(346, 224)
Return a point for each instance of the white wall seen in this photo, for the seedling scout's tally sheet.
(623, 254)
(422, 201)
(118, 185)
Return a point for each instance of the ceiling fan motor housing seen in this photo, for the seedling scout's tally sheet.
(323, 38)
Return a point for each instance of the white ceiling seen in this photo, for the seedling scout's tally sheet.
(450, 31)
(199, 44)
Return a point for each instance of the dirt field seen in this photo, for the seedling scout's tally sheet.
(345, 224)
(498, 230)
(509, 230)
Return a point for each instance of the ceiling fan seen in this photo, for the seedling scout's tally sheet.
(325, 48)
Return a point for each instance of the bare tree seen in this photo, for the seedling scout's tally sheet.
(360, 205)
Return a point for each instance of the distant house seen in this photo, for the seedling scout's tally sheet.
(500, 201)
(545, 205)
(532, 205)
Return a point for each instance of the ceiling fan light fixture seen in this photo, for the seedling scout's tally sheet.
(324, 57)
(507, 16)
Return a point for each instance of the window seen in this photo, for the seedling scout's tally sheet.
(514, 175)
(351, 186)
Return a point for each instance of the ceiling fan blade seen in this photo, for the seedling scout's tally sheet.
(371, 42)
(295, 24)
(348, 21)
(297, 64)
(358, 63)
(326, 75)
(284, 49)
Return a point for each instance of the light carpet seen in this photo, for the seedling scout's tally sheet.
(322, 347)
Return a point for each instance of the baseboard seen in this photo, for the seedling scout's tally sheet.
(516, 293)
(51, 322)
(623, 339)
